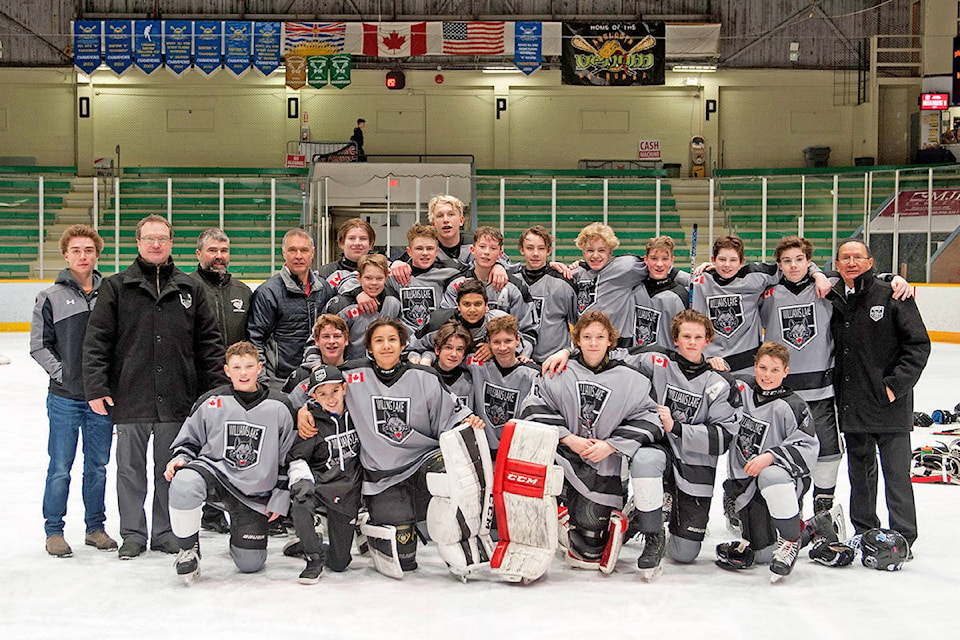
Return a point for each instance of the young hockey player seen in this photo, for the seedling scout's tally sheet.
(372, 270)
(502, 382)
(769, 467)
(429, 278)
(324, 470)
(356, 239)
(658, 298)
(327, 346)
(605, 414)
(231, 451)
(451, 345)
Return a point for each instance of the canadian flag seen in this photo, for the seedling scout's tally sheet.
(658, 360)
(699, 279)
(354, 377)
(335, 279)
(473, 361)
(216, 403)
(767, 293)
(353, 313)
(394, 39)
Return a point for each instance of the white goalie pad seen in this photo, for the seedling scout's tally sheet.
(525, 487)
(382, 546)
(461, 509)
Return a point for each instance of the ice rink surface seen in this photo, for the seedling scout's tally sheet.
(95, 595)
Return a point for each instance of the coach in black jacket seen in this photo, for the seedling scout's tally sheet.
(881, 349)
(152, 347)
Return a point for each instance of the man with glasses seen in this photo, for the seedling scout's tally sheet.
(881, 349)
(152, 347)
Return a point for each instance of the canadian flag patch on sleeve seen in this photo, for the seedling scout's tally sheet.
(353, 313)
(658, 360)
(354, 377)
(216, 403)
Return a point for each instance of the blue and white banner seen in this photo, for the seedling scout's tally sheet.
(266, 47)
(208, 45)
(177, 44)
(118, 38)
(238, 41)
(528, 46)
(87, 44)
(147, 44)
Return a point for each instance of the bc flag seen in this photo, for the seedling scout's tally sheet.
(208, 45)
(528, 46)
(238, 39)
(266, 46)
(119, 43)
(87, 44)
(147, 44)
(177, 44)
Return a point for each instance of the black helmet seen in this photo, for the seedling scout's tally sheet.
(884, 549)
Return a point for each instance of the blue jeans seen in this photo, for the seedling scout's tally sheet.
(67, 419)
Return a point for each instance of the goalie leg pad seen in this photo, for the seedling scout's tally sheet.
(526, 483)
(616, 533)
(382, 544)
(461, 507)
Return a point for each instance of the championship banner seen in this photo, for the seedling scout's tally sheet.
(266, 47)
(147, 44)
(87, 44)
(118, 36)
(613, 53)
(340, 70)
(318, 70)
(177, 44)
(528, 46)
(208, 45)
(238, 39)
(296, 71)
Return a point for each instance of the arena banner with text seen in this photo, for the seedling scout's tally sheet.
(87, 44)
(613, 53)
(266, 47)
(340, 70)
(177, 45)
(318, 71)
(147, 45)
(118, 35)
(528, 46)
(296, 77)
(238, 45)
(208, 45)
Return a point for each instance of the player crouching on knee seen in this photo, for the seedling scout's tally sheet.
(769, 467)
(325, 470)
(230, 452)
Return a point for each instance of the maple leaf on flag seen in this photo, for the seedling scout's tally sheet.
(394, 41)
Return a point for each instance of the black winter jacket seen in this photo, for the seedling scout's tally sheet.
(230, 301)
(152, 344)
(880, 342)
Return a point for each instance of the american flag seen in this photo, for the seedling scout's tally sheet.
(327, 34)
(473, 38)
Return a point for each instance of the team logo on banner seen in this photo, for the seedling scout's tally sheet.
(340, 70)
(750, 436)
(243, 444)
(238, 38)
(586, 293)
(391, 417)
(645, 325)
(118, 35)
(499, 403)
(318, 71)
(683, 405)
(296, 71)
(266, 47)
(592, 398)
(527, 46)
(798, 325)
(726, 313)
(416, 303)
(147, 44)
(87, 45)
(208, 50)
(177, 44)
(613, 53)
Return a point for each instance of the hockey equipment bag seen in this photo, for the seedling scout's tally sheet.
(526, 483)
(460, 511)
(935, 464)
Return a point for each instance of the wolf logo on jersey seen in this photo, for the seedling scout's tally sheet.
(798, 325)
(592, 399)
(346, 444)
(750, 436)
(499, 403)
(646, 321)
(243, 444)
(726, 313)
(537, 308)
(416, 304)
(391, 418)
(683, 405)
(586, 294)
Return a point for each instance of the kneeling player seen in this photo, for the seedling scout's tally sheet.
(230, 451)
(325, 469)
(769, 467)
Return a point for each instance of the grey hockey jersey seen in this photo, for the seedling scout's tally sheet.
(399, 415)
(655, 302)
(611, 403)
(459, 381)
(424, 344)
(244, 446)
(514, 298)
(705, 406)
(777, 421)
(554, 306)
(422, 296)
(610, 290)
(499, 393)
(357, 321)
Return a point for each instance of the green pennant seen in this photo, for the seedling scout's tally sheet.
(340, 70)
(318, 68)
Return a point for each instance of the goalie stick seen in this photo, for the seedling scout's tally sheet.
(693, 261)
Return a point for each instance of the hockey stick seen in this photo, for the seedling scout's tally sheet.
(693, 261)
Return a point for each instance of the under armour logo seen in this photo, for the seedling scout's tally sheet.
(71, 301)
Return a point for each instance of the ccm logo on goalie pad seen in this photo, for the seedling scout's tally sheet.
(524, 478)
